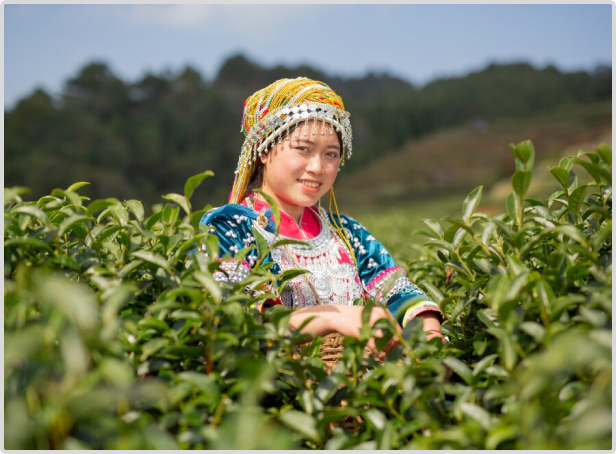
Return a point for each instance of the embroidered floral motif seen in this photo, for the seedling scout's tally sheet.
(231, 233)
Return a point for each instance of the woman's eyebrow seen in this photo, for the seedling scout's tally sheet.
(311, 142)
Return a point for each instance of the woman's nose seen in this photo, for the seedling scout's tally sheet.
(315, 165)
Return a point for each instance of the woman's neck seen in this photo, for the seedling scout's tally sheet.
(293, 211)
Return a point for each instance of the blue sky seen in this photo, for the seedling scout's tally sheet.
(46, 44)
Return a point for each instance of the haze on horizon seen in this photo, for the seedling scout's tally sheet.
(46, 44)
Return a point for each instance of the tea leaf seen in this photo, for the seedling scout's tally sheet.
(459, 368)
(193, 182)
(520, 182)
(180, 200)
(300, 422)
(576, 198)
(562, 175)
(471, 203)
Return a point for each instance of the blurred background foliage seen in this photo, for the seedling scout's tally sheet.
(144, 138)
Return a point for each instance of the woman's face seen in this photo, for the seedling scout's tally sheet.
(298, 172)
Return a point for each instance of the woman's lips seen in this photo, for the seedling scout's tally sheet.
(310, 186)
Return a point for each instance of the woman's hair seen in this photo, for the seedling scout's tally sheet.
(256, 180)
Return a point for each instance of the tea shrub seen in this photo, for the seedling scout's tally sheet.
(118, 337)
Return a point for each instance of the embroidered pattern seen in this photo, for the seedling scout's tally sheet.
(232, 271)
(417, 309)
(401, 285)
(334, 280)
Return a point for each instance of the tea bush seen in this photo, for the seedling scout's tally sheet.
(118, 337)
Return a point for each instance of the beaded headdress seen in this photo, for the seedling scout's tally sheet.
(271, 112)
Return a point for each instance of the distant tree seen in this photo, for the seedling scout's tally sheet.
(145, 138)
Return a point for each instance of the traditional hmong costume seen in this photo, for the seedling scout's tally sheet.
(345, 261)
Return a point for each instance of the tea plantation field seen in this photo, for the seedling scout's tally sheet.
(116, 335)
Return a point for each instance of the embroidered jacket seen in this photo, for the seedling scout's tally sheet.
(333, 277)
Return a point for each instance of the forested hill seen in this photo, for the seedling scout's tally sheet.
(140, 139)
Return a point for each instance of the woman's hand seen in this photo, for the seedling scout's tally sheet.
(346, 320)
(431, 325)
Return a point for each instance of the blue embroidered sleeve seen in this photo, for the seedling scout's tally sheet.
(232, 225)
(375, 266)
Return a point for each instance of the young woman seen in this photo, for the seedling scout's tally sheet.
(298, 136)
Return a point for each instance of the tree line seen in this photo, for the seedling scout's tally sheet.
(142, 139)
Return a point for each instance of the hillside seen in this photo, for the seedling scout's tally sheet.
(455, 160)
(140, 139)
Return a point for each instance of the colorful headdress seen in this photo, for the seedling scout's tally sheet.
(271, 112)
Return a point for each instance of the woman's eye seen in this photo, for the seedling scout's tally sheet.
(333, 154)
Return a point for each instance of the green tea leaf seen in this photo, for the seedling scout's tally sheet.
(471, 203)
(34, 242)
(136, 207)
(509, 354)
(435, 227)
(153, 346)
(33, 211)
(520, 182)
(562, 175)
(605, 151)
(459, 368)
(208, 282)
(301, 422)
(595, 171)
(441, 244)
(479, 414)
(497, 290)
(98, 205)
(576, 198)
(193, 182)
(180, 200)
(524, 152)
(152, 258)
(71, 221)
(513, 207)
(12, 194)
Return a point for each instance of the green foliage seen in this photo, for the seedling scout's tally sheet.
(117, 336)
(143, 138)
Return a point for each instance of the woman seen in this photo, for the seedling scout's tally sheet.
(298, 136)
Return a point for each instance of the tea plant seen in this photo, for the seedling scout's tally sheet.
(118, 337)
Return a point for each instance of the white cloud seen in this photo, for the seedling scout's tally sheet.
(171, 16)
